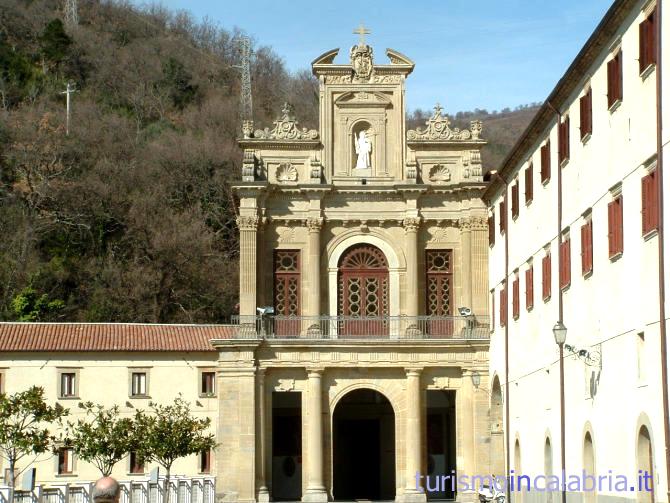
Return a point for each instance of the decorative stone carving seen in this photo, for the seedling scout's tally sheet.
(338, 79)
(249, 166)
(386, 79)
(247, 223)
(285, 385)
(315, 170)
(466, 173)
(286, 235)
(479, 224)
(440, 383)
(437, 128)
(314, 224)
(286, 172)
(476, 162)
(247, 129)
(439, 235)
(361, 61)
(286, 128)
(475, 129)
(439, 173)
(411, 224)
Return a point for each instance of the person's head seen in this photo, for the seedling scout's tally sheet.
(361, 135)
(106, 490)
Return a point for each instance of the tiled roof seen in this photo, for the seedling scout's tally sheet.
(110, 337)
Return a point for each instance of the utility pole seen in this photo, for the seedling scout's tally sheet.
(68, 91)
(71, 14)
(246, 106)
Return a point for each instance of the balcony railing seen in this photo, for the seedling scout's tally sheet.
(351, 327)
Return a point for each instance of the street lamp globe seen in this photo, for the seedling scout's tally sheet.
(560, 333)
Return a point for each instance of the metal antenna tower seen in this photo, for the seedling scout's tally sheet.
(246, 109)
(71, 14)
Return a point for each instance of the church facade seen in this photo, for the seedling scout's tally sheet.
(361, 356)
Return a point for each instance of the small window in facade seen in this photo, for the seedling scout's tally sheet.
(529, 287)
(65, 461)
(503, 304)
(136, 465)
(545, 162)
(139, 383)
(206, 461)
(649, 203)
(564, 141)
(648, 41)
(515, 296)
(641, 363)
(503, 216)
(614, 80)
(586, 114)
(546, 277)
(528, 175)
(492, 231)
(67, 384)
(515, 200)
(587, 247)
(565, 262)
(615, 226)
(207, 383)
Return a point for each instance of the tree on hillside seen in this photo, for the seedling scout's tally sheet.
(25, 419)
(103, 437)
(54, 43)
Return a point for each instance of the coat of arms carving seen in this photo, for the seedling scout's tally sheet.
(361, 61)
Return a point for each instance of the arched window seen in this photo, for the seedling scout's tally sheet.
(645, 466)
(589, 469)
(497, 435)
(518, 495)
(548, 466)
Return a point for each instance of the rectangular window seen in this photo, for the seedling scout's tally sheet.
(564, 253)
(287, 291)
(439, 288)
(136, 466)
(207, 383)
(585, 114)
(503, 305)
(515, 298)
(529, 183)
(2, 381)
(545, 162)
(649, 203)
(68, 384)
(503, 216)
(614, 80)
(546, 277)
(493, 309)
(648, 42)
(615, 226)
(564, 140)
(206, 461)
(65, 461)
(492, 231)
(587, 248)
(529, 287)
(515, 200)
(138, 383)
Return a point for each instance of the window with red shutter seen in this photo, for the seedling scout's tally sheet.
(648, 42)
(515, 298)
(503, 305)
(515, 200)
(545, 162)
(564, 275)
(493, 309)
(503, 216)
(529, 288)
(492, 232)
(587, 248)
(649, 203)
(546, 277)
(615, 226)
(614, 80)
(585, 114)
(528, 185)
(564, 140)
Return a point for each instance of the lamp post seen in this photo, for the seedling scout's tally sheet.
(560, 333)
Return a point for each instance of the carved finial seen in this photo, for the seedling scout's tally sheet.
(361, 31)
(287, 111)
(438, 110)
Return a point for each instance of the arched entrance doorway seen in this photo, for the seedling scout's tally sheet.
(363, 291)
(364, 447)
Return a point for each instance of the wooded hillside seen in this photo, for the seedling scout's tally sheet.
(130, 217)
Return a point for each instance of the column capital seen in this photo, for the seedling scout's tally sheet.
(314, 224)
(315, 371)
(411, 224)
(247, 222)
(413, 371)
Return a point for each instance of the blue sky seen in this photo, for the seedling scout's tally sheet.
(468, 54)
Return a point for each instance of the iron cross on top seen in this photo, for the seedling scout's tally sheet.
(361, 31)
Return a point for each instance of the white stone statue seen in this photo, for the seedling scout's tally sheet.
(363, 149)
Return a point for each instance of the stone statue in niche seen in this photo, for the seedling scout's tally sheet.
(363, 146)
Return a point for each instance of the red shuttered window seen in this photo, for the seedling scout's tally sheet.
(615, 226)
(515, 298)
(503, 305)
(545, 162)
(587, 248)
(503, 216)
(528, 175)
(515, 200)
(614, 80)
(529, 287)
(546, 277)
(492, 232)
(586, 114)
(564, 140)
(649, 203)
(564, 275)
(648, 42)
(493, 309)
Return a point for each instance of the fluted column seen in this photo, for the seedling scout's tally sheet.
(314, 266)
(466, 263)
(316, 491)
(261, 439)
(479, 248)
(248, 226)
(413, 436)
(466, 433)
(412, 278)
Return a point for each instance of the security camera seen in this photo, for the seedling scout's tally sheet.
(464, 311)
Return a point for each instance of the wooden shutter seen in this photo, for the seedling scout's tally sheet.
(614, 80)
(649, 203)
(546, 277)
(503, 305)
(492, 232)
(529, 287)
(515, 298)
(565, 263)
(493, 309)
(515, 200)
(564, 140)
(648, 41)
(587, 247)
(503, 216)
(529, 183)
(615, 226)
(585, 117)
(545, 162)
